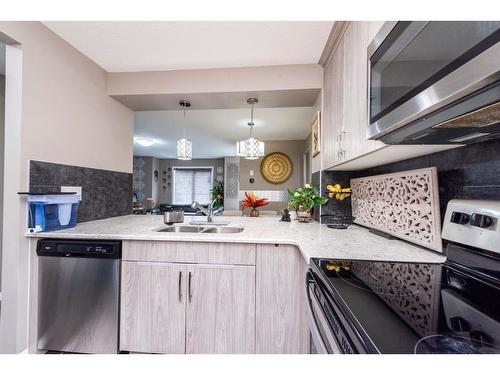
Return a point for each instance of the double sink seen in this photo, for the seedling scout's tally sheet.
(200, 229)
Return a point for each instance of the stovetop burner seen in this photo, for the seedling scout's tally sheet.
(414, 307)
(452, 344)
(411, 307)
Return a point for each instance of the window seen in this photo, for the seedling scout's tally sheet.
(192, 184)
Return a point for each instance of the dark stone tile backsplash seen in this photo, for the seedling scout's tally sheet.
(104, 193)
(333, 206)
(315, 177)
(469, 172)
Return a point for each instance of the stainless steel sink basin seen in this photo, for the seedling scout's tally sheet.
(206, 223)
(222, 230)
(200, 229)
(181, 229)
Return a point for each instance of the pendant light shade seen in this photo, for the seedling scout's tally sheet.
(250, 148)
(184, 145)
(184, 149)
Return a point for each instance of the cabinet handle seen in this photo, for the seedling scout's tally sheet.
(189, 287)
(339, 137)
(180, 286)
(341, 144)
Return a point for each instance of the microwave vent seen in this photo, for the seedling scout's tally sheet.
(485, 116)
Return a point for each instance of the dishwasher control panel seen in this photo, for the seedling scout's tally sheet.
(79, 248)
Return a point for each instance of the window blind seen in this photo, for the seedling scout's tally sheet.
(192, 184)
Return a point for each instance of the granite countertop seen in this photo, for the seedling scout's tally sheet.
(313, 239)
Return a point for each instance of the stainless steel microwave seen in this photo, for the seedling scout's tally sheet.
(434, 82)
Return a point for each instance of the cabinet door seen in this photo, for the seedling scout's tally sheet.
(281, 305)
(220, 315)
(332, 122)
(153, 300)
(355, 105)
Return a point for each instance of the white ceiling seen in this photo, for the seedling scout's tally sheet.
(214, 133)
(122, 46)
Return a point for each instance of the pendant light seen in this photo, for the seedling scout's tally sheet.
(184, 145)
(251, 148)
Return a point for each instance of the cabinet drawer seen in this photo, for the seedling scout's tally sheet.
(189, 252)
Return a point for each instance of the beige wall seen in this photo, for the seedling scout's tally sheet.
(294, 149)
(57, 110)
(280, 77)
(67, 116)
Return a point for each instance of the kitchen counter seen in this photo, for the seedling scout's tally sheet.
(313, 239)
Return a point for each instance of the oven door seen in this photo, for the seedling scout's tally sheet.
(322, 333)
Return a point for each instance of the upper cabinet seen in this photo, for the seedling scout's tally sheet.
(353, 144)
(345, 97)
(332, 121)
(344, 145)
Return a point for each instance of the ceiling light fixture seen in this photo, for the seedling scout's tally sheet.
(145, 142)
(184, 145)
(251, 148)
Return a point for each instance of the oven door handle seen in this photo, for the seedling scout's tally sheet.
(315, 332)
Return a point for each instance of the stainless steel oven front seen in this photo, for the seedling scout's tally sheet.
(329, 331)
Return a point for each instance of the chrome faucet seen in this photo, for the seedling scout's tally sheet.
(209, 212)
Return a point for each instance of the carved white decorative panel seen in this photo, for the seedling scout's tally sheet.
(411, 290)
(405, 205)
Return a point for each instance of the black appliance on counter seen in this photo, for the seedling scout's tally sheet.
(389, 307)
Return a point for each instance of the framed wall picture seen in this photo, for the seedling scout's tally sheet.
(316, 134)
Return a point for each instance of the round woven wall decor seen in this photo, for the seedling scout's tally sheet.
(276, 168)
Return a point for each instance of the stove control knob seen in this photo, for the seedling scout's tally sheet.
(459, 217)
(481, 221)
(480, 338)
(459, 324)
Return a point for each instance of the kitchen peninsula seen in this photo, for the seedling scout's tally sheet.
(222, 292)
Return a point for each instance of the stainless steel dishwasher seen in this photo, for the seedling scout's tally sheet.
(78, 294)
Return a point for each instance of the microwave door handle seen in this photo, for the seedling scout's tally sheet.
(315, 333)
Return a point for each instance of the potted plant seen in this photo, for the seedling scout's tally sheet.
(217, 193)
(303, 199)
(252, 200)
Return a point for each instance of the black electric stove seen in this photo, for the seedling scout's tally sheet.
(386, 307)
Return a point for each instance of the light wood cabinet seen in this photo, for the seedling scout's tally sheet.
(355, 105)
(332, 122)
(189, 252)
(220, 316)
(281, 310)
(171, 307)
(345, 105)
(153, 300)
